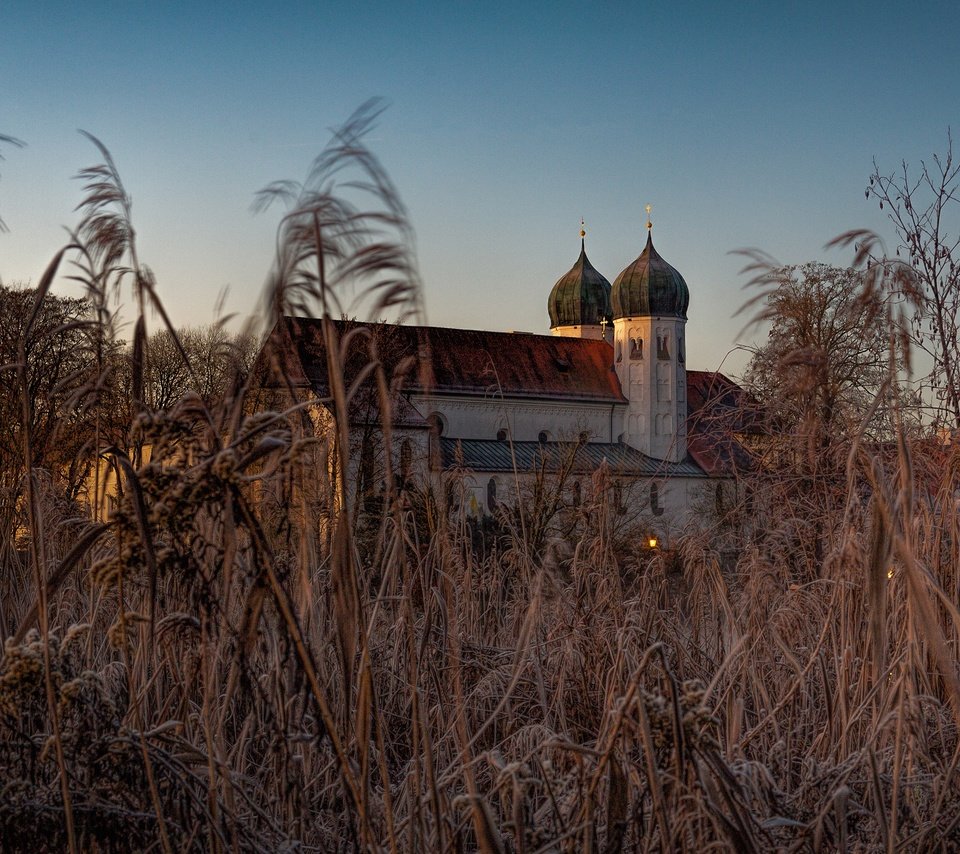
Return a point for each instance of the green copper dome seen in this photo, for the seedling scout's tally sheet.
(581, 297)
(650, 287)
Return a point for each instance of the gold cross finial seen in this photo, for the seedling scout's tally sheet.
(649, 223)
(583, 232)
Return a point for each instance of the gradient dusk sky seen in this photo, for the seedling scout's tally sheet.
(743, 123)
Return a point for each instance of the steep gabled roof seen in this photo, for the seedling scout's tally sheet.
(454, 361)
(718, 411)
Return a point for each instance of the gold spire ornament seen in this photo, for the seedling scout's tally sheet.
(649, 223)
(583, 232)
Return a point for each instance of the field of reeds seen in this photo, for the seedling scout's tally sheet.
(195, 668)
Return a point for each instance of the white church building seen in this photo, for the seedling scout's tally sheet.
(609, 387)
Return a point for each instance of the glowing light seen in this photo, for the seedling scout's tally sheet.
(652, 542)
(890, 572)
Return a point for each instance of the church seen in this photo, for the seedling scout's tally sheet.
(608, 388)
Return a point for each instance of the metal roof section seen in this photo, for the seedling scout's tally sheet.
(488, 455)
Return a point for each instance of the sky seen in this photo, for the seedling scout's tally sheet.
(744, 124)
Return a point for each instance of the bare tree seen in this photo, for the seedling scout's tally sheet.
(206, 361)
(826, 354)
(923, 206)
(57, 369)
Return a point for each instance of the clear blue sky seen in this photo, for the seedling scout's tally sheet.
(743, 123)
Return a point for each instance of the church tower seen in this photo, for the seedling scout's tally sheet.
(579, 303)
(649, 300)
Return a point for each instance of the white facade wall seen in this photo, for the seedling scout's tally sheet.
(681, 500)
(467, 417)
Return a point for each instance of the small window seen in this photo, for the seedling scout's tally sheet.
(619, 351)
(406, 461)
(366, 466)
(636, 348)
(655, 507)
(618, 504)
(543, 437)
(577, 493)
(491, 495)
(584, 437)
(437, 427)
(663, 350)
(501, 435)
(436, 422)
(719, 498)
(365, 486)
(680, 357)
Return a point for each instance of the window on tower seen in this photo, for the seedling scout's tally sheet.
(636, 348)
(663, 351)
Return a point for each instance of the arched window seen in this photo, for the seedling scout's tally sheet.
(437, 427)
(491, 495)
(406, 462)
(577, 493)
(619, 351)
(502, 435)
(680, 356)
(655, 507)
(543, 437)
(437, 424)
(636, 348)
(365, 480)
(618, 504)
(663, 351)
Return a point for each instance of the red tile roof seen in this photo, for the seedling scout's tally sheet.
(718, 410)
(458, 361)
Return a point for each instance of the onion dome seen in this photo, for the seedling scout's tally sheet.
(650, 287)
(581, 297)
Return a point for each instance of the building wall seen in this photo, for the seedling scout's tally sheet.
(481, 418)
(682, 504)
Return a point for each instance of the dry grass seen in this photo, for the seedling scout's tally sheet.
(196, 673)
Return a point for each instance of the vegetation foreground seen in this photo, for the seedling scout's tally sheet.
(204, 669)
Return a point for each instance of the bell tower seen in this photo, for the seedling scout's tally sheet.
(649, 300)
